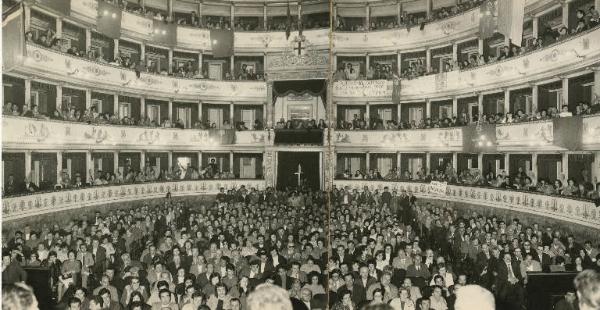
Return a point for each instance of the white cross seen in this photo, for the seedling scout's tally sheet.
(299, 173)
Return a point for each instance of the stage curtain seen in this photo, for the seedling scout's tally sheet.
(313, 87)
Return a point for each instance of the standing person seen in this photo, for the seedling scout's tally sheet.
(587, 284)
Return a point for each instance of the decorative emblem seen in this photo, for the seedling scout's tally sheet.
(39, 132)
(97, 134)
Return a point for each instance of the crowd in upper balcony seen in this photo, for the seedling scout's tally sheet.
(521, 180)
(408, 20)
(282, 124)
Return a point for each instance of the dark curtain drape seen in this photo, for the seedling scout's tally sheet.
(300, 87)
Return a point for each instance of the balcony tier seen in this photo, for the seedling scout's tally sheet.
(30, 134)
(43, 203)
(561, 208)
(563, 58)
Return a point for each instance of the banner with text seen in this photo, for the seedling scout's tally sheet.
(363, 88)
(438, 188)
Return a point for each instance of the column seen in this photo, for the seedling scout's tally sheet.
(269, 106)
(27, 94)
(534, 167)
(368, 115)
(334, 122)
(536, 26)
(480, 46)
(398, 11)
(334, 62)
(480, 162)
(399, 61)
(116, 49)
(596, 87)
(170, 9)
(534, 97)
(88, 39)
(428, 59)
(116, 162)
(265, 17)
(142, 108)
(399, 108)
(232, 14)
(199, 160)
(28, 165)
(232, 67)
(116, 105)
(27, 14)
(59, 27)
(455, 52)
(264, 116)
(428, 108)
(170, 69)
(171, 110)
(89, 167)
(88, 99)
(368, 161)
(507, 163)
(200, 111)
(565, 167)
(455, 106)
(142, 160)
(427, 163)
(479, 105)
(565, 91)
(428, 8)
(368, 17)
(506, 101)
(59, 167)
(170, 159)
(455, 161)
(143, 52)
(368, 59)
(230, 161)
(399, 162)
(59, 97)
(565, 14)
(200, 62)
(231, 114)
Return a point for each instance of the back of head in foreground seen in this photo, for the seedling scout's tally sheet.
(471, 297)
(18, 296)
(587, 284)
(269, 297)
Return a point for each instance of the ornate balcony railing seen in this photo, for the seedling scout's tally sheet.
(79, 71)
(33, 134)
(567, 56)
(572, 210)
(43, 203)
(140, 28)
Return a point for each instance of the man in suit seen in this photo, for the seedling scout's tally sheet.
(29, 187)
(282, 279)
(99, 253)
(266, 266)
(11, 187)
(567, 303)
(357, 292)
(509, 283)
(364, 280)
(418, 269)
(529, 265)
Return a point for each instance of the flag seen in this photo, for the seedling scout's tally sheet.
(396, 91)
(13, 38)
(288, 25)
(221, 42)
(108, 20)
(510, 19)
(60, 6)
(164, 33)
(487, 25)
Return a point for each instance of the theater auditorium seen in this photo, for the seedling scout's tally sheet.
(300, 154)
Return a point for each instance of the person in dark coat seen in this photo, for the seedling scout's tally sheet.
(12, 272)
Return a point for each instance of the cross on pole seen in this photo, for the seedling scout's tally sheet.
(299, 173)
(299, 48)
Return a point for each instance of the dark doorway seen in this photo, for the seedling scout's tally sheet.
(287, 170)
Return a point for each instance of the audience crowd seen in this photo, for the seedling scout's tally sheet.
(373, 248)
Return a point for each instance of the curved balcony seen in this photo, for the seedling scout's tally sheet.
(53, 65)
(14, 208)
(31, 134)
(571, 55)
(575, 211)
(541, 136)
(140, 28)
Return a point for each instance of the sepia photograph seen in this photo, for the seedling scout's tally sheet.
(300, 155)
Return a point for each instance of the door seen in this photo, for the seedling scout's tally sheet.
(248, 117)
(415, 114)
(184, 114)
(98, 104)
(384, 114)
(384, 165)
(247, 167)
(473, 110)
(445, 112)
(215, 71)
(124, 109)
(215, 116)
(350, 112)
(153, 112)
(415, 164)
